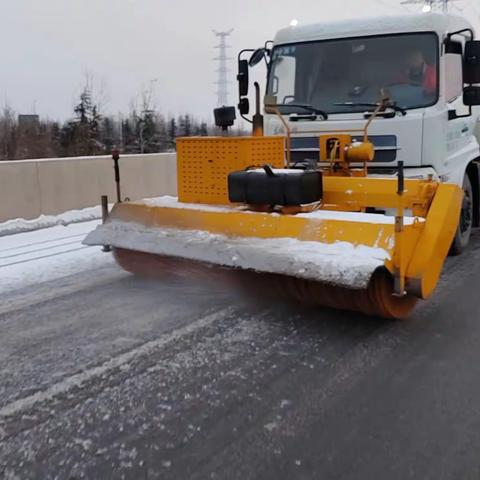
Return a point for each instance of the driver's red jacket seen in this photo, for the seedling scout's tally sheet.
(429, 81)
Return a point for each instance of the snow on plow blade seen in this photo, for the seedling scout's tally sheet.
(288, 245)
(343, 259)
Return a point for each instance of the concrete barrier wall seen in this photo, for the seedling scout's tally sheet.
(29, 188)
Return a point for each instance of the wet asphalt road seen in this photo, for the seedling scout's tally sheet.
(106, 376)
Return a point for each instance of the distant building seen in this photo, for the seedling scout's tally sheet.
(28, 120)
(29, 124)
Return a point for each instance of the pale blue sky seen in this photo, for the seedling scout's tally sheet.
(49, 45)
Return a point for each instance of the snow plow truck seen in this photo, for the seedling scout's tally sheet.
(360, 176)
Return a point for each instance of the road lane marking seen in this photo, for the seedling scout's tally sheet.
(63, 252)
(77, 380)
(43, 242)
(19, 299)
(36, 250)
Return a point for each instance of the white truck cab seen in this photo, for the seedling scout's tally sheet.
(327, 77)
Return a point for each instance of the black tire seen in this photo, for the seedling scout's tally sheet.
(464, 230)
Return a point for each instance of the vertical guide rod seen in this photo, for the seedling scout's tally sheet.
(274, 109)
(116, 168)
(104, 208)
(258, 117)
(399, 274)
(401, 179)
(105, 248)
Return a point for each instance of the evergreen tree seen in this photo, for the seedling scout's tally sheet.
(172, 133)
(203, 130)
(108, 135)
(83, 131)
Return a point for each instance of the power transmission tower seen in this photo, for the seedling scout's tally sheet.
(430, 3)
(222, 59)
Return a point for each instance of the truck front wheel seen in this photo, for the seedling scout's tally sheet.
(464, 230)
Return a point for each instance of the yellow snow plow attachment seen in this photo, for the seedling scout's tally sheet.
(373, 245)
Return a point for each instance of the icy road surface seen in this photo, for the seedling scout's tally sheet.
(105, 376)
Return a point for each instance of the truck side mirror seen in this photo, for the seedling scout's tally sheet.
(242, 78)
(471, 69)
(471, 96)
(257, 56)
(244, 106)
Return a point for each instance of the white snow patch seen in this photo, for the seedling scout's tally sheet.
(284, 171)
(365, 26)
(172, 202)
(20, 225)
(85, 444)
(270, 426)
(33, 257)
(375, 218)
(339, 263)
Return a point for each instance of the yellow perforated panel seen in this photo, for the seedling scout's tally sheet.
(203, 163)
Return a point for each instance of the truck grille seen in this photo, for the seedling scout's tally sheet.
(307, 148)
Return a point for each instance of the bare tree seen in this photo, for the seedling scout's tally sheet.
(144, 117)
(8, 132)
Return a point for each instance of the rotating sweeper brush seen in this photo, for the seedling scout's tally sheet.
(322, 232)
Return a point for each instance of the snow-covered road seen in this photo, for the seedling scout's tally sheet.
(52, 253)
(104, 375)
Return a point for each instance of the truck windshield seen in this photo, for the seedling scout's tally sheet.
(335, 75)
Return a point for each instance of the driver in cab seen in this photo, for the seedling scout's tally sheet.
(419, 72)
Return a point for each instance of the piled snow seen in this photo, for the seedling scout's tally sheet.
(172, 202)
(20, 225)
(284, 171)
(356, 217)
(339, 263)
(30, 258)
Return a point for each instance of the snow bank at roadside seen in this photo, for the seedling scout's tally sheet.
(20, 225)
(31, 258)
